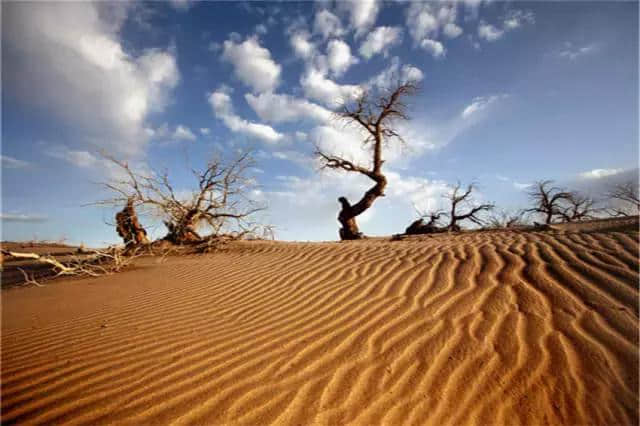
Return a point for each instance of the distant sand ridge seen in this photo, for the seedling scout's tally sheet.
(479, 328)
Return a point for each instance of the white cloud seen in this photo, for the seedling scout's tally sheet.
(13, 163)
(24, 218)
(426, 21)
(317, 86)
(78, 158)
(513, 20)
(489, 32)
(301, 45)
(421, 20)
(261, 29)
(339, 57)
(572, 52)
(327, 24)
(280, 108)
(434, 47)
(184, 133)
(65, 56)
(480, 103)
(600, 173)
(516, 18)
(395, 72)
(205, 131)
(181, 5)
(252, 64)
(223, 109)
(522, 186)
(296, 157)
(380, 40)
(451, 30)
(362, 13)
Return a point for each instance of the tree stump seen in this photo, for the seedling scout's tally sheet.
(129, 227)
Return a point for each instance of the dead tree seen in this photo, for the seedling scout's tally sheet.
(420, 227)
(626, 194)
(128, 226)
(220, 201)
(376, 116)
(578, 207)
(460, 199)
(548, 200)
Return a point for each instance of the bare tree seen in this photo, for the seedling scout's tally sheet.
(220, 200)
(462, 198)
(577, 207)
(626, 194)
(419, 226)
(376, 115)
(548, 200)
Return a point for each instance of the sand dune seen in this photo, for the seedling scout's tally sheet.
(478, 328)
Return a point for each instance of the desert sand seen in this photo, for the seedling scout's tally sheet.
(480, 328)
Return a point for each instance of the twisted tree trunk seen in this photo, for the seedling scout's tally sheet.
(129, 227)
(348, 213)
(185, 230)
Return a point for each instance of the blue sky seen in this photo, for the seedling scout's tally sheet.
(512, 92)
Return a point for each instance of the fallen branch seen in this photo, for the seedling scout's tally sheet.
(95, 264)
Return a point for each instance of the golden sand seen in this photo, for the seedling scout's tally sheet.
(480, 328)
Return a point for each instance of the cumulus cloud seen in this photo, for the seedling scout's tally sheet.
(220, 102)
(339, 57)
(434, 47)
(480, 103)
(327, 24)
(205, 131)
(302, 47)
(317, 86)
(280, 108)
(13, 163)
(394, 72)
(572, 52)
(489, 32)
(427, 21)
(600, 173)
(62, 57)
(183, 133)
(380, 40)
(252, 63)
(362, 13)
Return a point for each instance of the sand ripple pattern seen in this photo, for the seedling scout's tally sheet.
(488, 328)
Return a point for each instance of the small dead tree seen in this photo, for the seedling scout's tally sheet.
(419, 226)
(220, 201)
(376, 116)
(578, 207)
(548, 200)
(460, 198)
(625, 194)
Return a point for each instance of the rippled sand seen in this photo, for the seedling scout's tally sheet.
(478, 328)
